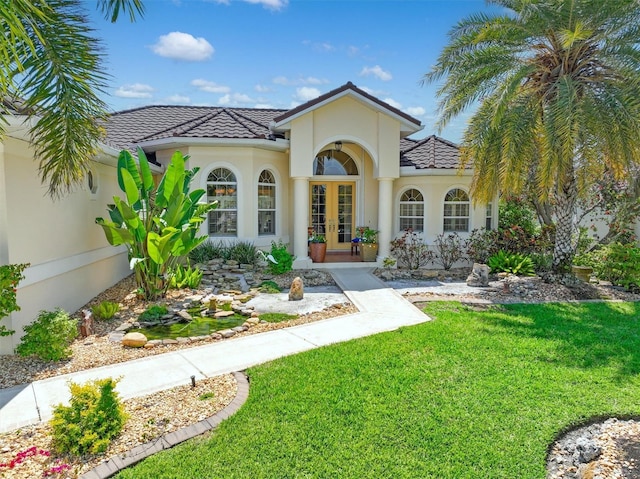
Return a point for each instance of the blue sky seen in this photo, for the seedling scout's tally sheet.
(279, 53)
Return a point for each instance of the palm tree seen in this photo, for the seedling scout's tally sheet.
(557, 83)
(52, 72)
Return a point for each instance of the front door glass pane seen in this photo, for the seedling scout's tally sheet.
(319, 208)
(345, 213)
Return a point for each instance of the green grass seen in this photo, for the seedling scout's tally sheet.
(469, 395)
(277, 317)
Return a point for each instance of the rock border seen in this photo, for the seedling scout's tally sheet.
(117, 463)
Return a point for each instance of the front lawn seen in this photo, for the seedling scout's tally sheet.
(469, 395)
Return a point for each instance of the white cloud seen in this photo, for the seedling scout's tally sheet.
(183, 46)
(376, 71)
(136, 90)
(270, 4)
(262, 89)
(306, 93)
(416, 111)
(393, 103)
(264, 105)
(179, 99)
(209, 86)
(235, 99)
(371, 91)
(352, 51)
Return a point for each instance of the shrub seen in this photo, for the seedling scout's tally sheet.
(620, 264)
(49, 336)
(515, 211)
(269, 287)
(10, 276)
(105, 310)
(282, 256)
(153, 312)
(449, 249)
(513, 263)
(94, 417)
(480, 245)
(209, 250)
(410, 250)
(243, 252)
(182, 277)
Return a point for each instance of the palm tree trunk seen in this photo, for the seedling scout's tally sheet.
(565, 212)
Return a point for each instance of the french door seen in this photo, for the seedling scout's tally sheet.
(333, 212)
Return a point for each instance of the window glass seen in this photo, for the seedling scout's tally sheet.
(456, 211)
(266, 203)
(223, 188)
(412, 210)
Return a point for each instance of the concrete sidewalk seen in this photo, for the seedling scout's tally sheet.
(381, 309)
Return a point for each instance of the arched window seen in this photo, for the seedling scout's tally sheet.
(456, 211)
(334, 162)
(223, 188)
(266, 203)
(412, 210)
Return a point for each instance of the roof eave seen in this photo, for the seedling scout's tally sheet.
(178, 142)
(413, 171)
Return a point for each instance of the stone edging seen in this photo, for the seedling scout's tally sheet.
(117, 463)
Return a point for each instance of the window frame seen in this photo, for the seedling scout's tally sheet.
(274, 198)
(227, 184)
(411, 203)
(455, 217)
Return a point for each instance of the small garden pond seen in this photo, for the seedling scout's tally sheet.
(200, 326)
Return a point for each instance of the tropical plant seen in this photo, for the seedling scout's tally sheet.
(366, 234)
(514, 211)
(49, 336)
(317, 238)
(94, 417)
(244, 252)
(153, 312)
(410, 250)
(10, 276)
(52, 72)
(209, 250)
(159, 226)
(449, 249)
(105, 310)
(559, 89)
(283, 259)
(513, 263)
(182, 277)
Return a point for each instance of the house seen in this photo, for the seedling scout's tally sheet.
(342, 160)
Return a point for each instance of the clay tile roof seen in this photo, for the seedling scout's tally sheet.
(345, 87)
(127, 128)
(430, 152)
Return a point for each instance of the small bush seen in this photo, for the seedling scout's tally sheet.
(282, 256)
(515, 211)
(449, 249)
(269, 287)
(620, 264)
(105, 310)
(10, 276)
(481, 245)
(153, 313)
(243, 252)
(182, 277)
(49, 336)
(94, 417)
(209, 250)
(411, 250)
(513, 263)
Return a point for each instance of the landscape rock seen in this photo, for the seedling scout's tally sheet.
(479, 276)
(296, 293)
(134, 340)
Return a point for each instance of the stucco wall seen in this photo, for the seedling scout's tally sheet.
(71, 261)
(246, 163)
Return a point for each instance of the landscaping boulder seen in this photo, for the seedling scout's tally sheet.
(479, 276)
(134, 340)
(296, 293)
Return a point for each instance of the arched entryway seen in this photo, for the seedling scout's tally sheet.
(332, 199)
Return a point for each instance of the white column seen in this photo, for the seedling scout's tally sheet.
(301, 222)
(385, 216)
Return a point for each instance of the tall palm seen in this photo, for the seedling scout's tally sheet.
(51, 71)
(558, 87)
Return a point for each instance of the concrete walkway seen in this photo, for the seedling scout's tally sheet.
(381, 309)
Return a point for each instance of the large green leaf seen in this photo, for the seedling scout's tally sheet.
(126, 162)
(114, 234)
(147, 176)
(159, 247)
(130, 187)
(173, 181)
